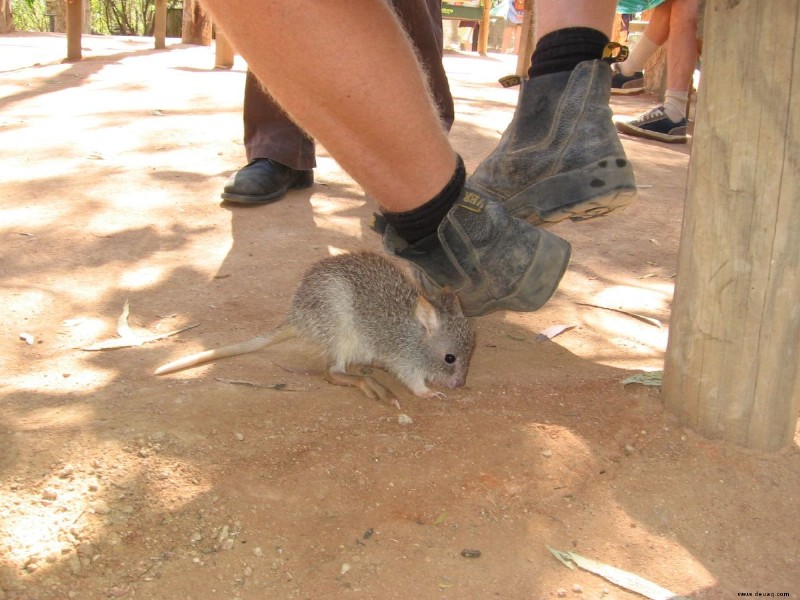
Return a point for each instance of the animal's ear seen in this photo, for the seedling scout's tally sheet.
(450, 302)
(426, 315)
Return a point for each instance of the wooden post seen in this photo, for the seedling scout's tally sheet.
(6, 17)
(86, 26)
(74, 28)
(196, 24)
(655, 73)
(224, 53)
(528, 39)
(160, 25)
(483, 37)
(733, 359)
(616, 30)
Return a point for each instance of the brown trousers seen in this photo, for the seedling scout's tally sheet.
(270, 133)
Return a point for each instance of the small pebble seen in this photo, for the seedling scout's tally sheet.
(576, 587)
(470, 553)
(99, 507)
(49, 494)
(75, 566)
(547, 453)
(239, 436)
(223, 533)
(345, 568)
(404, 419)
(561, 592)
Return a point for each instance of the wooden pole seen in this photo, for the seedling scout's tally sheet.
(616, 30)
(224, 53)
(733, 359)
(196, 27)
(74, 28)
(528, 38)
(6, 17)
(160, 25)
(483, 37)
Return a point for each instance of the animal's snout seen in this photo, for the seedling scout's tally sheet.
(456, 381)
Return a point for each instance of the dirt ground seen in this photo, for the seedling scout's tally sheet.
(253, 479)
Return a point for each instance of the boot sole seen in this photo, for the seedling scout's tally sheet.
(605, 186)
(651, 135)
(627, 91)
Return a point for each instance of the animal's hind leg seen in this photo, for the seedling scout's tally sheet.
(371, 387)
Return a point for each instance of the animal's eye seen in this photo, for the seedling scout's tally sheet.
(449, 358)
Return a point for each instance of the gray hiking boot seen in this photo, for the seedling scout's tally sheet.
(560, 157)
(491, 260)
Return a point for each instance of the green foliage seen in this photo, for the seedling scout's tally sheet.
(123, 17)
(116, 17)
(30, 15)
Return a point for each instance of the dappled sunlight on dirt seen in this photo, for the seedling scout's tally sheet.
(252, 477)
(328, 215)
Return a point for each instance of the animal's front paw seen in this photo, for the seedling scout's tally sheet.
(429, 393)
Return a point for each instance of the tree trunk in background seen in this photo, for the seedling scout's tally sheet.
(57, 12)
(74, 29)
(6, 18)
(196, 24)
(160, 25)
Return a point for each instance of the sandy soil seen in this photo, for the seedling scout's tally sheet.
(247, 480)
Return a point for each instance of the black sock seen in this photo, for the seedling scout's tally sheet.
(424, 220)
(563, 49)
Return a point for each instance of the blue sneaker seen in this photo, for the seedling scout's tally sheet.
(624, 85)
(656, 125)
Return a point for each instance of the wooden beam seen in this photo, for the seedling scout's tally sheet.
(733, 359)
(160, 25)
(196, 24)
(224, 53)
(6, 17)
(74, 29)
(527, 43)
(483, 34)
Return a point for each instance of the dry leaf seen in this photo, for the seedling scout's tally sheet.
(552, 331)
(128, 338)
(624, 579)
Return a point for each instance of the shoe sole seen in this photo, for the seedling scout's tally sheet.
(606, 186)
(650, 135)
(600, 206)
(303, 181)
(627, 91)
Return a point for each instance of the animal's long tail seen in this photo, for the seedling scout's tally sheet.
(281, 334)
